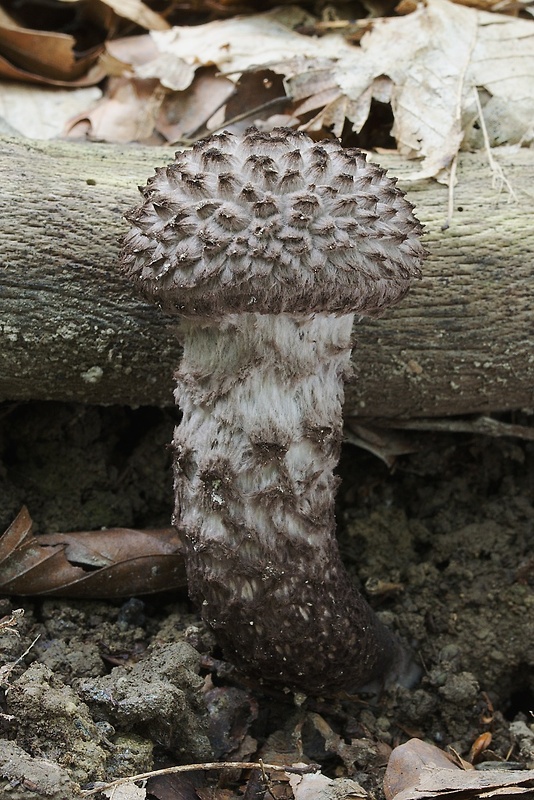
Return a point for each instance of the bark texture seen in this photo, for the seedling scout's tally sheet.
(72, 329)
(254, 456)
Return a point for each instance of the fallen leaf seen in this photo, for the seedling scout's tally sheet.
(234, 46)
(382, 443)
(10, 72)
(127, 113)
(425, 64)
(184, 113)
(117, 562)
(138, 12)
(419, 771)
(42, 112)
(38, 56)
(182, 786)
(129, 52)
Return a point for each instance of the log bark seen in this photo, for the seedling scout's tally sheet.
(72, 329)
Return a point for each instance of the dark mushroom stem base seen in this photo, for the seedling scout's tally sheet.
(261, 397)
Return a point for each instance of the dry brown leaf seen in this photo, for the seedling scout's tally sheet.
(259, 94)
(10, 72)
(234, 46)
(141, 110)
(426, 64)
(117, 562)
(178, 787)
(419, 771)
(183, 113)
(382, 443)
(44, 56)
(138, 12)
(127, 113)
(129, 52)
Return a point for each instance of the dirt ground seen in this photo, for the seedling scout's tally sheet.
(442, 544)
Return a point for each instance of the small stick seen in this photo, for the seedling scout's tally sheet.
(304, 770)
(499, 178)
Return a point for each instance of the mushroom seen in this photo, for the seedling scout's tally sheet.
(267, 244)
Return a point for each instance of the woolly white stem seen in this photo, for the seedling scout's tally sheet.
(262, 400)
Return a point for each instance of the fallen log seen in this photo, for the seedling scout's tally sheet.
(72, 329)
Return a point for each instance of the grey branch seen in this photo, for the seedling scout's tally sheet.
(72, 329)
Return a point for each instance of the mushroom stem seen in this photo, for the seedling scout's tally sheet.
(271, 242)
(262, 397)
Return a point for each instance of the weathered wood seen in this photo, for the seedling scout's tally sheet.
(71, 329)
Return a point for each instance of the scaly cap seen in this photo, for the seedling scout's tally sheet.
(270, 223)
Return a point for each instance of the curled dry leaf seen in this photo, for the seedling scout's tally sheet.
(235, 46)
(128, 52)
(419, 771)
(127, 113)
(389, 438)
(117, 562)
(45, 57)
(382, 443)
(138, 12)
(142, 111)
(184, 113)
(70, 56)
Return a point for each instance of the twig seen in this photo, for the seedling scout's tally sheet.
(304, 770)
(499, 178)
(195, 136)
(7, 669)
(479, 424)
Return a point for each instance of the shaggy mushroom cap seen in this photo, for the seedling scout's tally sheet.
(271, 223)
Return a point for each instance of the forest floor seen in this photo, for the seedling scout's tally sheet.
(442, 544)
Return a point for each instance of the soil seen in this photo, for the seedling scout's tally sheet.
(442, 545)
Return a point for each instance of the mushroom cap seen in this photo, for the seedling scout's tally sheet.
(271, 223)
